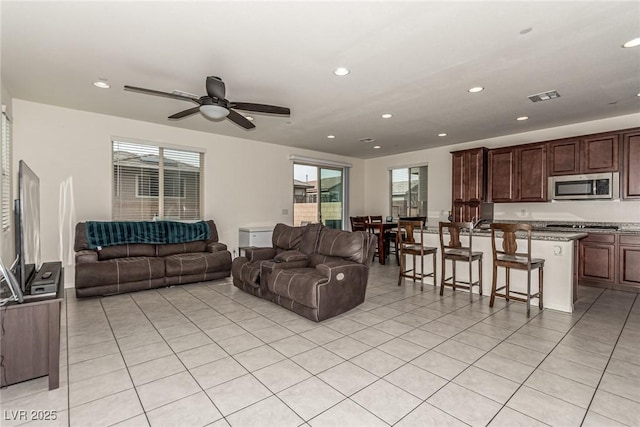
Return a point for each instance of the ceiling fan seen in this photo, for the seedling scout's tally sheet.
(213, 105)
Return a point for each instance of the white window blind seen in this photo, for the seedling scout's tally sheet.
(5, 173)
(409, 191)
(138, 170)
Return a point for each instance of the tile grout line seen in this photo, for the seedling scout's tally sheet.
(542, 361)
(126, 367)
(608, 361)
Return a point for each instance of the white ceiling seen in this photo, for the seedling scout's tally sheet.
(415, 60)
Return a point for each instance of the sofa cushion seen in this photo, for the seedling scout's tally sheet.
(289, 256)
(297, 284)
(182, 248)
(197, 263)
(119, 270)
(286, 237)
(126, 251)
(343, 244)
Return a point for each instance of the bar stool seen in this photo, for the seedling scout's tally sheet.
(454, 251)
(509, 258)
(408, 245)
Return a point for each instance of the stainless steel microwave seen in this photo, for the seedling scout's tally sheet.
(585, 187)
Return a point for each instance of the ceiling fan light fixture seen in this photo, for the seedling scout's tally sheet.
(214, 111)
(101, 84)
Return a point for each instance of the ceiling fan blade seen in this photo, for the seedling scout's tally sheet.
(240, 120)
(261, 108)
(185, 113)
(159, 93)
(215, 87)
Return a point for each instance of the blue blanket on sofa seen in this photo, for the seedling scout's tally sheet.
(110, 233)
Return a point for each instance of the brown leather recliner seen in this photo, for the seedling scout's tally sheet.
(290, 244)
(319, 281)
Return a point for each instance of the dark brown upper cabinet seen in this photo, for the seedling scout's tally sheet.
(600, 153)
(518, 174)
(588, 154)
(469, 175)
(630, 177)
(502, 175)
(469, 183)
(564, 157)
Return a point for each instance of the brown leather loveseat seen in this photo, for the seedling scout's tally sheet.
(131, 267)
(312, 270)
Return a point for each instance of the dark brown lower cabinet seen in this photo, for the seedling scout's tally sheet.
(597, 259)
(629, 260)
(610, 260)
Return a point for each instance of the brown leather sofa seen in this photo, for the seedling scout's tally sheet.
(133, 267)
(314, 271)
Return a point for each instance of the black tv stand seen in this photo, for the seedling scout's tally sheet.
(46, 279)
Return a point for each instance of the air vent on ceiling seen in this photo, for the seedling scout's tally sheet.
(544, 96)
(366, 140)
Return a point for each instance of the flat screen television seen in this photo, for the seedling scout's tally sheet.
(27, 226)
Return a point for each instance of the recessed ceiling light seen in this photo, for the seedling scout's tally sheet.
(638, 94)
(376, 146)
(522, 118)
(101, 84)
(526, 30)
(632, 43)
(331, 136)
(341, 71)
(442, 134)
(476, 89)
(387, 116)
(249, 118)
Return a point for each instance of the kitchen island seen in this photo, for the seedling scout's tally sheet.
(559, 249)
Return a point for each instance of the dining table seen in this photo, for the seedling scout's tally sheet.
(380, 228)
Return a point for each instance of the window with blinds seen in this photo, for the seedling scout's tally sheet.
(152, 182)
(5, 173)
(409, 191)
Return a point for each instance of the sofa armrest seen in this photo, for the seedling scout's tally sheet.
(216, 247)
(85, 256)
(338, 271)
(260, 254)
(345, 288)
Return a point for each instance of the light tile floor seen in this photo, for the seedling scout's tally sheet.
(209, 354)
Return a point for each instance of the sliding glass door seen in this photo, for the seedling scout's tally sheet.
(318, 195)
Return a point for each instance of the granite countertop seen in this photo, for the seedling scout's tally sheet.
(556, 236)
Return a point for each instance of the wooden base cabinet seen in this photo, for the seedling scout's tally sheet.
(629, 260)
(610, 260)
(597, 259)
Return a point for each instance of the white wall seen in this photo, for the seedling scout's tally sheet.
(246, 182)
(439, 187)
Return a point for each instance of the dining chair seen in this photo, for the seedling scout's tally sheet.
(358, 223)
